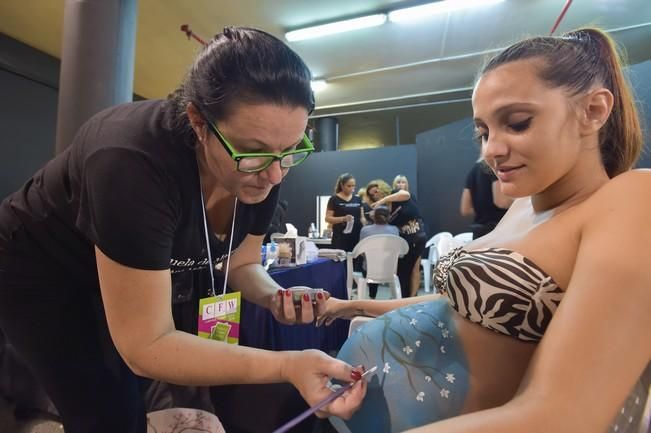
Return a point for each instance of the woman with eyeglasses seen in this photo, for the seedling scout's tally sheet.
(543, 324)
(151, 195)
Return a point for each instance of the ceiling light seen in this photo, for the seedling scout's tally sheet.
(336, 27)
(426, 10)
(318, 85)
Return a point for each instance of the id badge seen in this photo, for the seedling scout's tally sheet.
(219, 317)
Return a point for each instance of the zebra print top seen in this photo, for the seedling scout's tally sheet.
(500, 290)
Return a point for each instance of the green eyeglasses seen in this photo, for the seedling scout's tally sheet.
(255, 162)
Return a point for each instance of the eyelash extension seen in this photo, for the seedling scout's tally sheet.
(517, 127)
(521, 126)
(477, 136)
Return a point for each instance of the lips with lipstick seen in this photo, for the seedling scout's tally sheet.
(507, 172)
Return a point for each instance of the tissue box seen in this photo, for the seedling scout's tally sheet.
(297, 245)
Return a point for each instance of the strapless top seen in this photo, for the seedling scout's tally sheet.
(499, 289)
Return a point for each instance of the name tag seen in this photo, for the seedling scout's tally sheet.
(219, 318)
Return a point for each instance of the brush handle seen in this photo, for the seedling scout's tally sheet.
(293, 422)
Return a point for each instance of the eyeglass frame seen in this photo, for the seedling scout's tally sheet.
(237, 157)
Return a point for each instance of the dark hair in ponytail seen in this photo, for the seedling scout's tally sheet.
(578, 61)
(241, 65)
(342, 180)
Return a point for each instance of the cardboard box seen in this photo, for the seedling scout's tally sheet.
(297, 247)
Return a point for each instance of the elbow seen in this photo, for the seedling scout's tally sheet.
(132, 361)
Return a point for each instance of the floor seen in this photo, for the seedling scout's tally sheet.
(29, 423)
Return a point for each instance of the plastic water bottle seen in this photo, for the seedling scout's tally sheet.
(272, 252)
(263, 254)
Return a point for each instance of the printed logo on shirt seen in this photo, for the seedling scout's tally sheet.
(195, 264)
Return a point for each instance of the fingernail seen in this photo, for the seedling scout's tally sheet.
(319, 295)
(280, 292)
(306, 297)
(355, 375)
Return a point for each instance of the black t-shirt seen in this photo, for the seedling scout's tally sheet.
(127, 184)
(480, 183)
(341, 207)
(402, 212)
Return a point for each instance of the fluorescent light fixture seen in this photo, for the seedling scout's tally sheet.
(318, 85)
(336, 27)
(426, 10)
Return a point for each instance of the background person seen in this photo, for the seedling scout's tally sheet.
(401, 182)
(541, 326)
(345, 206)
(406, 216)
(91, 246)
(366, 206)
(483, 200)
(380, 226)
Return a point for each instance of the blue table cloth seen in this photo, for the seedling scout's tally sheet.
(260, 329)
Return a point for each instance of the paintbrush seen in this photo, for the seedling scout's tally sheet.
(293, 422)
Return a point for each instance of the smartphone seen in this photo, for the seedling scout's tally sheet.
(299, 291)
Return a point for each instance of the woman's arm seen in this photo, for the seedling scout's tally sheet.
(597, 344)
(345, 309)
(332, 219)
(398, 196)
(465, 207)
(249, 277)
(138, 311)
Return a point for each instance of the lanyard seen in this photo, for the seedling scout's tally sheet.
(230, 244)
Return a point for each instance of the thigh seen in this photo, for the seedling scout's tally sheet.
(61, 332)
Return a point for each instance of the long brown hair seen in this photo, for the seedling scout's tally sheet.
(578, 61)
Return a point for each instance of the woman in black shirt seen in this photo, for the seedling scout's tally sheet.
(93, 246)
(345, 206)
(406, 216)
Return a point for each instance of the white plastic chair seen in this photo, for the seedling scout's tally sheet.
(381, 253)
(462, 239)
(438, 245)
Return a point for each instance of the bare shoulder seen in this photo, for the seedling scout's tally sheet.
(619, 212)
(627, 186)
(626, 193)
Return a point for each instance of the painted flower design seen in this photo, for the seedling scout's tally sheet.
(420, 396)
(408, 350)
(450, 377)
(417, 343)
(413, 322)
(386, 368)
(428, 378)
(445, 393)
(442, 349)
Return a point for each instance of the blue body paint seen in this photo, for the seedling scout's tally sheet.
(422, 374)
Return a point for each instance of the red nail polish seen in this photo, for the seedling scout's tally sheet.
(355, 375)
(288, 293)
(280, 292)
(306, 297)
(319, 295)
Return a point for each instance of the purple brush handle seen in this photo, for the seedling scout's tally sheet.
(310, 411)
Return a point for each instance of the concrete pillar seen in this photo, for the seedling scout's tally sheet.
(97, 61)
(327, 134)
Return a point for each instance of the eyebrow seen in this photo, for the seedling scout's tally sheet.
(514, 106)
